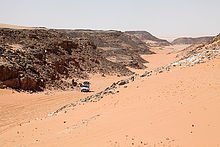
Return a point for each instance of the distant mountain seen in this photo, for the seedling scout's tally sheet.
(149, 38)
(189, 40)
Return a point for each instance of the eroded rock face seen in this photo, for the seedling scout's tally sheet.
(7, 73)
(28, 83)
(11, 77)
(13, 83)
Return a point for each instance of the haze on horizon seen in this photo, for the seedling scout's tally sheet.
(165, 19)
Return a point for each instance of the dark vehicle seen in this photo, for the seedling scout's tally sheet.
(85, 87)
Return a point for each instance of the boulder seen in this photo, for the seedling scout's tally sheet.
(123, 82)
(74, 83)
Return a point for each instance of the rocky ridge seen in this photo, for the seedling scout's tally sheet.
(149, 38)
(195, 48)
(116, 46)
(38, 59)
(189, 40)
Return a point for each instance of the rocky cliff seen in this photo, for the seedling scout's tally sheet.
(149, 38)
(188, 40)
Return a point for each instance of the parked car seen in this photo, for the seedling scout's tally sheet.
(85, 87)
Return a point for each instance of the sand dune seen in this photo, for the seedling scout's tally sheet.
(176, 108)
(18, 27)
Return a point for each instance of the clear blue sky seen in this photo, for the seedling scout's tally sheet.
(159, 17)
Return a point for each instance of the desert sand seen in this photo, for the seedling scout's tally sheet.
(21, 107)
(164, 55)
(176, 108)
(17, 27)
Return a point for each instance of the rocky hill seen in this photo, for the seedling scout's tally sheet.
(149, 38)
(214, 44)
(38, 59)
(116, 46)
(188, 40)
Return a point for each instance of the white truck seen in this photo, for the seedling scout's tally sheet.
(85, 87)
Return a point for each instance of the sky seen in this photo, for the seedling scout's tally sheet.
(162, 18)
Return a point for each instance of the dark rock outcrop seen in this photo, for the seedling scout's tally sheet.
(38, 59)
(7, 72)
(146, 36)
(13, 83)
(12, 77)
(123, 47)
(189, 40)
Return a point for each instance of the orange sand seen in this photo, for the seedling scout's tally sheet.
(17, 27)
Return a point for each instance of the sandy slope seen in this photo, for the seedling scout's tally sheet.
(164, 55)
(17, 27)
(16, 108)
(179, 108)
